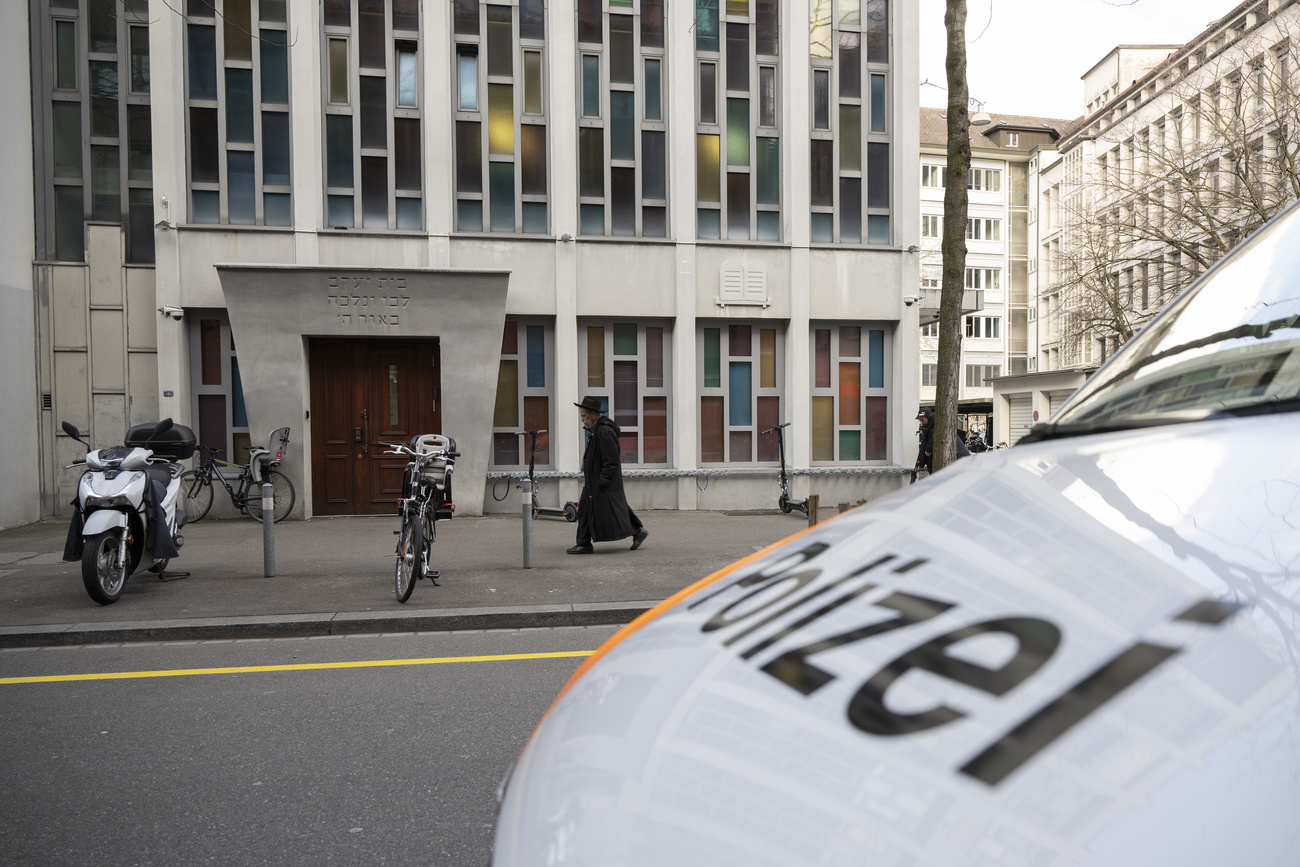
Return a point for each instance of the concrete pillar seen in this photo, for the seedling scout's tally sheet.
(20, 469)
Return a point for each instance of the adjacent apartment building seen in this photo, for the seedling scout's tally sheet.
(1183, 150)
(368, 219)
(996, 330)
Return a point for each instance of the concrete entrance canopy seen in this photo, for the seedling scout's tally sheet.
(275, 309)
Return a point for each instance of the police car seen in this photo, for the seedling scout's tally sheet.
(1081, 651)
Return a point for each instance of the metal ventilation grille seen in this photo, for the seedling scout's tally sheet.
(47, 401)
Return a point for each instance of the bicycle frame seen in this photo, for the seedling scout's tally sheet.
(209, 466)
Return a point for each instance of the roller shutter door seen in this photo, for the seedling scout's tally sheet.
(1021, 417)
(1054, 401)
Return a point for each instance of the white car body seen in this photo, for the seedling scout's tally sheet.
(1080, 651)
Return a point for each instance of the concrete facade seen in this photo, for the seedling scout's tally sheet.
(132, 354)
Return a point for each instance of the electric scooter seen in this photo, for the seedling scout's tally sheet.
(787, 505)
(570, 510)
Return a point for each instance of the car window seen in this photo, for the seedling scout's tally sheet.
(1229, 342)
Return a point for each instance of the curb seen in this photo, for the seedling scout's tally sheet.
(308, 625)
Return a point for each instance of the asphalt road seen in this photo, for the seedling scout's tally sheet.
(360, 764)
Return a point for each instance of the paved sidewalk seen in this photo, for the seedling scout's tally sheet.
(334, 575)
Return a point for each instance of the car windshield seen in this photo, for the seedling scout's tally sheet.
(1231, 342)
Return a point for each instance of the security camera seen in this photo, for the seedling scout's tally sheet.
(909, 300)
(177, 313)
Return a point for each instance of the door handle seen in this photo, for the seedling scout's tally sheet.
(365, 422)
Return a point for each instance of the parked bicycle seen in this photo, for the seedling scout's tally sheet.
(787, 505)
(426, 497)
(196, 484)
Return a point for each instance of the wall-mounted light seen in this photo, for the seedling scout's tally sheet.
(172, 311)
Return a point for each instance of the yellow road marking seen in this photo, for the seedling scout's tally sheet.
(305, 666)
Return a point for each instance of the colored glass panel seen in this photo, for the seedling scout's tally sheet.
(533, 82)
(706, 25)
(625, 338)
(737, 206)
(537, 416)
(654, 358)
(822, 358)
(65, 55)
(711, 430)
(850, 445)
(850, 392)
(591, 23)
(622, 125)
(851, 210)
(237, 30)
(850, 12)
(139, 144)
(821, 99)
(739, 340)
(876, 359)
(406, 15)
(407, 78)
(139, 59)
(654, 430)
(850, 341)
(652, 23)
(370, 34)
(210, 350)
(768, 169)
(103, 99)
(532, 149)
(505, 449)
(874, 430)
(622, 51)
(712, 358)
(767, 358)
(466, 17)
(622, 201)
(823, 428)
(708, 171)
(767, 27)
(467, 73)
(742, 445)
(878, 103)
(708, 93)
(374, 112)
(501, 189)
(274, 48)
(406, 153)
(239, 105)
(67, 139)
(878, 175)
(506, 413)
(536, 356)
(469, 157)
(500, 41)
(501, 119)
(510, 339)
(877, 31)
(590, 85)
(595, 356)
(654, 172)
(741, 382)
(338, 150)
(850, 64)
(769, 416)
(625, 392)
(203, 61)
(374, 192)
(591, 163)
(819, 29)
(532, 19)
(850, 138)
(339, 71)
(106, 183)
(241, 188)
(766, 96)
(737, 132)
(738, 57)
(652, 90)
(205, 150)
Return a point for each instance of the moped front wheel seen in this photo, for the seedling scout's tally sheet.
(410, 551)
(101, 572)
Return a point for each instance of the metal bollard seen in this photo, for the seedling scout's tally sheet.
(268, 530)
(526, 485)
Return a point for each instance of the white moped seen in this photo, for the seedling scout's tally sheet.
(126, 514)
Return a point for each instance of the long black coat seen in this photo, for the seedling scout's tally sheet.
(602, 490)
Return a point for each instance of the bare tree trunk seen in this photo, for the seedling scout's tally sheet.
(955, 199)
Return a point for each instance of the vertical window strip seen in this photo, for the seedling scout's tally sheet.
(625, 367)
(741, 392)
(849, 398)
(736, 88)
(523, 399)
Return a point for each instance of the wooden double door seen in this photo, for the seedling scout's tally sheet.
(362, 392)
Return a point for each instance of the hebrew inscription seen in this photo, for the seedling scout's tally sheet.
(368, 300)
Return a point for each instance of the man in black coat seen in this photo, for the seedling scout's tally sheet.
(603, 513)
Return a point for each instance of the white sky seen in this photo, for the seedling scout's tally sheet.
(1034, 52)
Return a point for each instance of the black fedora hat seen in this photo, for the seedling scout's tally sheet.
(591, 403)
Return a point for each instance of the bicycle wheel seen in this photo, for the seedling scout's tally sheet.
(195, 495)
(410, 545)
(282, 490)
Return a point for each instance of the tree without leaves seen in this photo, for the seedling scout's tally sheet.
(1173, 188)
(955, 201)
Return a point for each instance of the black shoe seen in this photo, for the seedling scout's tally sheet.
(638, 537)
(582, 549)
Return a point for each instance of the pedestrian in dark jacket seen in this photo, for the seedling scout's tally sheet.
(603, 513)
(925, 434)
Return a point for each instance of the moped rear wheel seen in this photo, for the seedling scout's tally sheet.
(410, 551)
(101, 572)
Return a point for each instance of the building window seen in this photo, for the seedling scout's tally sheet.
(741, 393)
(1013, 139)
(984, 180)
(929, 375)
(983, 326)
(499, 66)
(737, 132)
(523, 395)
(931, 276)
(931, 225)
(622, 135)
(237, 120)
(849, 48)
(984, 278)
(977, 373)
(371, 62)
(979, 229)
(218, 402)
(931, 330)
(934, 176)
(626, 365)
(849, 396)
(95, 126)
